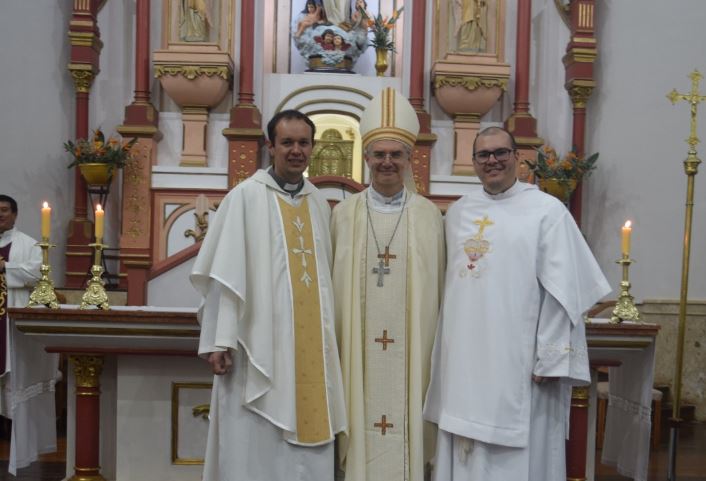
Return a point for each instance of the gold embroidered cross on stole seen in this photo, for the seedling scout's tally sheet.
(383, 425)
(313, 424)
(384, 340)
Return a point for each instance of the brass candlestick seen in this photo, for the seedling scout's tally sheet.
(95, 294)
(625, 309)
(43, 293)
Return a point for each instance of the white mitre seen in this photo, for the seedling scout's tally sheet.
(389, 116)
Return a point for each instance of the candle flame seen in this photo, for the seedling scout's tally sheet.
(628, 224)
(45, 205)
(99, 208)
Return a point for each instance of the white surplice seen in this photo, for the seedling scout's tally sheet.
(519, 278)
(28, 385)
(242, 271)
(386, 332)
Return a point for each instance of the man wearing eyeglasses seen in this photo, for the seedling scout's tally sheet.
(387, 275)
(511, 340)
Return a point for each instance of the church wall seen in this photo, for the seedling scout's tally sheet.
(647, 48)
(36, 117)
(640, 137)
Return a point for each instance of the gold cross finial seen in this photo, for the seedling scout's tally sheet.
(482, 224)
(694, 100)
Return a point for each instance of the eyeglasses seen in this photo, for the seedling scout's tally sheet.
(501, 155)
(394, 155)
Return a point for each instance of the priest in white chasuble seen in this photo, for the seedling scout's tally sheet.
(27, 372)
(388, 272)
(511, 338)
(267, 326)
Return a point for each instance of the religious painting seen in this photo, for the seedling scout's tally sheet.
(190, 409)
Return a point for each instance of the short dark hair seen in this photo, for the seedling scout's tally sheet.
(491, 131)
(11, 201)
(288, 115)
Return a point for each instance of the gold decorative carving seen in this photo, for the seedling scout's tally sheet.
(469, 83)
(580, 392)
(332, 155)
(585, 16)
(82, 76)
(579, 95)
(202, 410)
(192, 71)
(85, 39)
(87, 370)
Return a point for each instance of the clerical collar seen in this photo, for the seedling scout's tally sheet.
(291, 189)
(509, 192)
(6, 237)
(382, 203)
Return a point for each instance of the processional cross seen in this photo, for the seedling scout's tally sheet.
(694, 100)
(691, 165)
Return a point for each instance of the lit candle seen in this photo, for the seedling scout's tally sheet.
(46, 220)
(627, 230)
(99, 222)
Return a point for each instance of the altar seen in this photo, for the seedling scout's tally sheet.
(138, 394)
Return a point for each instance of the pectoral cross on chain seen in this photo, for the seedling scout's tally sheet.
(387, 256)
(381, 270)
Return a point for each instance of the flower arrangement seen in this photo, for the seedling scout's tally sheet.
(380, 28)
(570, 167)
(99, 151)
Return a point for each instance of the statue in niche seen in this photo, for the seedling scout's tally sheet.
(329, 35)
(470, 25)
(337, 11)
(332, 155)
(195, 20)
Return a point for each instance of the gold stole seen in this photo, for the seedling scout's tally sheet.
(310, 377)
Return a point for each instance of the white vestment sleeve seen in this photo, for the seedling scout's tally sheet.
(25, 272)
(561, 346)
(220, 311)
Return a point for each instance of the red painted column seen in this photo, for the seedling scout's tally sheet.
(87, 371)
(581, 53)
(244, 133)
(141, 121)
(84, 37)
(421, 156)
(578, 435)
(521, 123)
(522, 56)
